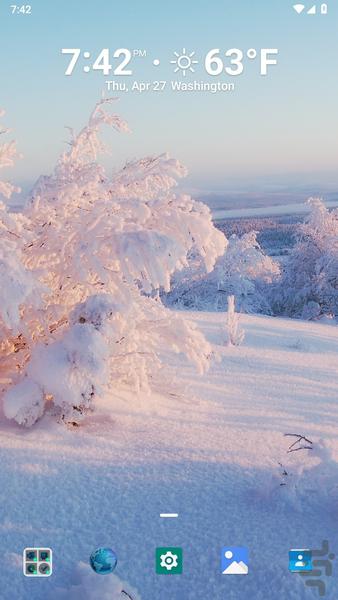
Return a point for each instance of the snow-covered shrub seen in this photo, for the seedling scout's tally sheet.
(244, 271)
(98, 249)
(24, 402)
(235, 333)
(309, 285)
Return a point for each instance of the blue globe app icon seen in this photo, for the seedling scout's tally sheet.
(103, 561)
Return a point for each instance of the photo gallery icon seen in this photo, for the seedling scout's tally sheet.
(234, 560)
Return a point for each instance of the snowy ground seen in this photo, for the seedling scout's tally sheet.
(210, 454)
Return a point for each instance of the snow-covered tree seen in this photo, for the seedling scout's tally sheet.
(99, 248)
(309, 286)
(8, 154)
(19, 289)
(244, 271)
(235, 332)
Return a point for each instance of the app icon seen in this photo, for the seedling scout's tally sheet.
(37, 562)
(169, 561)
(103, 561)
(235, 560)
(300, 560)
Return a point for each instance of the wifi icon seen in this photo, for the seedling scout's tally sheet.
(299, 8)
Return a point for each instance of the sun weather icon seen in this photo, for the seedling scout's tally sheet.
(184, 62)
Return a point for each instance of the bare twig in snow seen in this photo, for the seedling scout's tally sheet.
(299, 439)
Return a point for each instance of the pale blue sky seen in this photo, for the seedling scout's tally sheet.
(277, 130)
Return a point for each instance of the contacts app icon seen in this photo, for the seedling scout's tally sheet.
(300, 560)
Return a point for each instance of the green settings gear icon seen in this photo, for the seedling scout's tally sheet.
(169, 561)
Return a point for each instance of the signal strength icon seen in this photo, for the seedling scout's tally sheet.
(322, 9)
(299, 8)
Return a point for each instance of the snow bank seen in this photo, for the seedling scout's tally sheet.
(87, 585)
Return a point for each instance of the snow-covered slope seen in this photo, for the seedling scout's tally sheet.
(207, 447)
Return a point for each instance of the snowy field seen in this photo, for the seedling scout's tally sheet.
(211, 454)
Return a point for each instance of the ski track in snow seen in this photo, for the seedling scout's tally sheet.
(209, 453)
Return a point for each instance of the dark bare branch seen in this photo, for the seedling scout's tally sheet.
(301, 448)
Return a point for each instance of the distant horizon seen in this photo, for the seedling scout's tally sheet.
(247, 183)
(249, 195)
(293, 186)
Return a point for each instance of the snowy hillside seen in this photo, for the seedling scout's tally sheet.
(210, 453)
